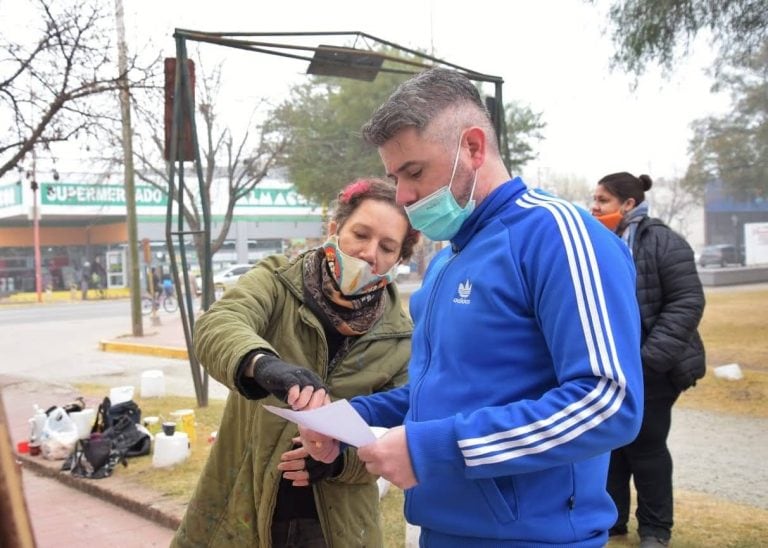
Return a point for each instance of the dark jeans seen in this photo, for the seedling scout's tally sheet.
(297, 533)
(648, 461)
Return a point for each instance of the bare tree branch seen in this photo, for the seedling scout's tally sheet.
(240, 160)
(49, 90)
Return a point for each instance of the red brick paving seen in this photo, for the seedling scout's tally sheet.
(62, 517)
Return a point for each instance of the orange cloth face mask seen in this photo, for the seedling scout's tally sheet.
(611, 220)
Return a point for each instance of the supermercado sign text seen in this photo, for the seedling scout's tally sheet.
(72, 194)
(274, 197)
(98, 195)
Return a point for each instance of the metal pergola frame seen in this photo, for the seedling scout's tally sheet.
(353, 62)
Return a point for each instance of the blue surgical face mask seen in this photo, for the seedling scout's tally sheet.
(438, 216)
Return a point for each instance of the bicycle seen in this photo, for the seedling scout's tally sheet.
(168, 302)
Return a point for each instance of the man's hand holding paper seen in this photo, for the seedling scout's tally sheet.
(389, 458)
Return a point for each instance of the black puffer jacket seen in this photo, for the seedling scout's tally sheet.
(671, 303)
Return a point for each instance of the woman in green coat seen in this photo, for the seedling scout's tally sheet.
(329, 323)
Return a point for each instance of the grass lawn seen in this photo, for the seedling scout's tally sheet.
(735, 330)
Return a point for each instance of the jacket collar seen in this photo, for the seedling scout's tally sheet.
(487, 211)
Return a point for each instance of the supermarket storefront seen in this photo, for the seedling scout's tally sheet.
(85, 224)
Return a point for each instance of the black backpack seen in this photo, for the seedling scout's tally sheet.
(107, 414)
(119, 423)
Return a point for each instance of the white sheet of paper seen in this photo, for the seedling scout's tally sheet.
(338, 420)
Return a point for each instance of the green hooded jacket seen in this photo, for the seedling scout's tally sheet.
(236, 494)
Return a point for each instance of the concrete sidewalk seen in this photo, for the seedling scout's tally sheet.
(163, 337)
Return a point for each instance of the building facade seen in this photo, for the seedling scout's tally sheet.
(732, 221)
(83, 225)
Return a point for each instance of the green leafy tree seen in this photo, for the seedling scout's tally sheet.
(323, 117)
(661, 31)
(733, 148)
(523, 125)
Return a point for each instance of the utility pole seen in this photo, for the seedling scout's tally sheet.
(36, 231)
(130, 192)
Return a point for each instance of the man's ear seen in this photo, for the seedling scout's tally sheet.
(476, 141)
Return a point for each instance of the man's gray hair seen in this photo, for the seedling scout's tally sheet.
(420, 100)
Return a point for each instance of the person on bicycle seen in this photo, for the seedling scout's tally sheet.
(167, 285)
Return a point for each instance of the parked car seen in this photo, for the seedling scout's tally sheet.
(224, 278)
(719, 255)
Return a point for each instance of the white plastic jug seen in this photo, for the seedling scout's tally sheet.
(170, 450)
(152, 384)
(36, 424)
(84, 421)
(120, 394)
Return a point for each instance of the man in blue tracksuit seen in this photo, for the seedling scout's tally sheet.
(525, 370)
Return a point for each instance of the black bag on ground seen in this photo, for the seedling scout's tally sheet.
(97, 456)
(127, 439)
(107, 415)
(93, 458)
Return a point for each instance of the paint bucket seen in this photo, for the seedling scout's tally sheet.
(170, 450)
(185, 422)
(152, 384)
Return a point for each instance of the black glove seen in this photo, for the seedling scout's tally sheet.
(320, 470)
(276, 376)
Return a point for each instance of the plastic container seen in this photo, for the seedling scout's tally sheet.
(170, 450)
(730, 371)
(84, 421)
(152, 424)
(185, 422)
(152, 384)
(36, 425)
(120, 394)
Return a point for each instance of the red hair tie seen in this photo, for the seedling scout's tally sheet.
(358, 187)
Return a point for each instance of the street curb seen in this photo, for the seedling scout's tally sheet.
(143, 509)
(144, 349)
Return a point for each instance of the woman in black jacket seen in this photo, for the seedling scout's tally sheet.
(671, 302)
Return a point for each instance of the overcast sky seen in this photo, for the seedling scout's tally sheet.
(552, 55)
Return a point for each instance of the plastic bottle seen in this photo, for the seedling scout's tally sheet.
(36, 424)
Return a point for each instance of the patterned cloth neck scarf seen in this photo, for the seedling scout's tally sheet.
(348, 315)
